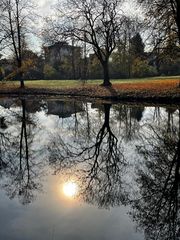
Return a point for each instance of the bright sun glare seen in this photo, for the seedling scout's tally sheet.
(70, 189)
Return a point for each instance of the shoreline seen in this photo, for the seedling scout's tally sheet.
(99, 93)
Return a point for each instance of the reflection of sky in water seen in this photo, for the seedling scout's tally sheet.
(52, 215)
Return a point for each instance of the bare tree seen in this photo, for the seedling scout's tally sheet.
(95, 22)
(164, 15)
(15, 19)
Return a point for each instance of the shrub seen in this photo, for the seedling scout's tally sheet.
(141, 68)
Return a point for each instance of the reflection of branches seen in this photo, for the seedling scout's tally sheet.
(3, 140)
(157, 114)
(170, 123)
(104, 176)
(99, 162)
(20, 173)
(129, 117)
(157, 209)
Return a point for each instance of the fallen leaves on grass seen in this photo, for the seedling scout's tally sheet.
(142, 89)
(157, 85)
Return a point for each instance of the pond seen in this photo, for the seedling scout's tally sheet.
(80, 170)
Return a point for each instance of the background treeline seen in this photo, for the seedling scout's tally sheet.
(129, 60)
(89, 40)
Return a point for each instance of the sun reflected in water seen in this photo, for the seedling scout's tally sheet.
(70, 189)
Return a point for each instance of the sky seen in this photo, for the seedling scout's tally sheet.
(44, 6)
(45, 9)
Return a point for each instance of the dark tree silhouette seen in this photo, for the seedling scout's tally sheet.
(164, 16)
(129, 118)
(22, 175)
(99, 162)
(156, 209)
(3, 140)
(97, 23)
(15, 20)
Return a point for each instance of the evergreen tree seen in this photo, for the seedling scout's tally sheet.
(137, 46)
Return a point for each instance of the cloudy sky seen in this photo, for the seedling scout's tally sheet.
(45, 6)
(45, 10)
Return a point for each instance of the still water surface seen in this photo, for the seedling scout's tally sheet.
(78, 170)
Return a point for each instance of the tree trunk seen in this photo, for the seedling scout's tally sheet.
(106, 81)
(107, 108)
(21, 81)
(20, 76)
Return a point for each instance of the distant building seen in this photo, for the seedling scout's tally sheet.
(65, 58)
(59, 51)
(64, 109)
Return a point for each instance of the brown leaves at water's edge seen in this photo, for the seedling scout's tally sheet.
(150, 88)
(168, 88)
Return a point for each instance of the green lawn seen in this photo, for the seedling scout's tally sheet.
(54, 84)
(158, 87)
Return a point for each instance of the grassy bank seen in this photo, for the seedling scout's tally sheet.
(166, 88)
(78, 83)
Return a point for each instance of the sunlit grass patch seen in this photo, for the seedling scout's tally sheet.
(159, 86)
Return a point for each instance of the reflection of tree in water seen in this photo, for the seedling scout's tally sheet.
(19, 172)
(129, 118)
(156, 210)
(3, 140)
(170, 120)
(99, 163)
